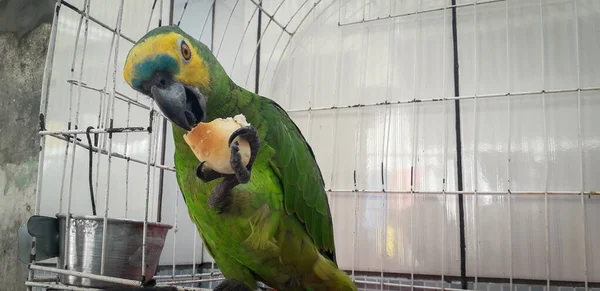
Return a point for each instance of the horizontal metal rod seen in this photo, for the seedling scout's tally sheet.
(113, 154)
(193, 281)
(284, 27)
(418, 12)
(57, 286)
(96, 130)
(466, 97)
(187, 275)
(466, 192)
(407, 285)
(454, 278)
(118, 95)
(45, 279)
(99, 278)
(422, 287)
(85, 275)
(70, 6)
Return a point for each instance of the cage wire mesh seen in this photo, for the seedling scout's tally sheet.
(456, 138)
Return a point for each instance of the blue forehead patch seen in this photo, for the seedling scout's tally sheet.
(144, 70)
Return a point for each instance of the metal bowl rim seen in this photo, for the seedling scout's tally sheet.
(112, 219)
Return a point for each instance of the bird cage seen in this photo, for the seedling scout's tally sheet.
(456, 138)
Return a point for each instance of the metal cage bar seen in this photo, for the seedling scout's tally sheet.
(580, 145)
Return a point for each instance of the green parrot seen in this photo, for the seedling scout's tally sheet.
(270, 220)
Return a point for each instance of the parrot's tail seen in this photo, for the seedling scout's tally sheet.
(332, 277)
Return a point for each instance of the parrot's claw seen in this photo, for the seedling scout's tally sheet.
(207, 175)
(232, 285)
(241, 173)
(251, 136)
(220, 198)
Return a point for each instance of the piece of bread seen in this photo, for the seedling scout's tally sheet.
(209, 142)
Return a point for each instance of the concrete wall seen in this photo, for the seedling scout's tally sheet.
(24, 35)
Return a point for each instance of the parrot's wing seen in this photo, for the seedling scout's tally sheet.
(303, 185)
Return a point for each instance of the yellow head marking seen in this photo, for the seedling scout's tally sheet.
(161, 50)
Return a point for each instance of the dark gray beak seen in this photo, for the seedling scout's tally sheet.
(179, 104)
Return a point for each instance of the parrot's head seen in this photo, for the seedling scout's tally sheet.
(175, 70)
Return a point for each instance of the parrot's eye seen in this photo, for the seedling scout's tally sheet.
(186, 53)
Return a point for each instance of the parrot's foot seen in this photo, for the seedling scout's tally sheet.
(149, 283)
(220, 197)
(251, 136)
(221, 194)
(207, 175)
(232, 285)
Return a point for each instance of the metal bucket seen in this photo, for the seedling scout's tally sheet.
(123, 254)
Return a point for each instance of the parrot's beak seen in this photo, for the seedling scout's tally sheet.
(181, 104)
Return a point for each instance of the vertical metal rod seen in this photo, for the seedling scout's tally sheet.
(580, 139)
(164, 132)
(64, 173)
(175, 230)
(102, 121)
(337, 94)
(210, 10)
(162, 121)
(354, 234)
(212, 267)
(160, 12)
(264, 74)
(311, 80)
(260, 36)
(508, 151)
(546, 211)
(412, 195)
(445, 154)
(311, 84)
(413, 167)
(151, 14)
(125, 146)
(110, 140)
(384, 150)
(103, 111)
(242, 39)
(126, 188)
(459, 168)
(339, 12)
(257, 50)
(74, 137)
(193, 245)
(151, 146)
(182, 12)
(226, 26)
(475, 135)
(156, 129)
(289, 79)
(362, 75)
(145, 231)
(78, 108)
(339, 66)
(289, 40)
(364, 9)
(277, 42)
(177, 189)
(46, 77)
(127, 165)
